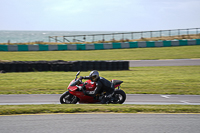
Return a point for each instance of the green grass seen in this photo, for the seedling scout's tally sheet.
(96, 108)
(180, 52)
(137, 80)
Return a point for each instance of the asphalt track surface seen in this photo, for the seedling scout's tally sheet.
(168, 62)
(152, 99)
(101, 123)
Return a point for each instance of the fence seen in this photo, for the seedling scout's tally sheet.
(124, 36)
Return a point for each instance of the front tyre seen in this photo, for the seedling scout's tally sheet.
(119, 97)
(68, 98)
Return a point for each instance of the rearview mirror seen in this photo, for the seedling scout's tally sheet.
(78, 73)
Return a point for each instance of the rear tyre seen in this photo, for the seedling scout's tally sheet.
(119, 97)
(68, 98)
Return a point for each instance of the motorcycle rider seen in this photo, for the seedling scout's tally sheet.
(102, 84)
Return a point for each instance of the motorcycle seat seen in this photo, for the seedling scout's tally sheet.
(117, 82)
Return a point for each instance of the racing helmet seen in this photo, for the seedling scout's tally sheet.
(94, 75)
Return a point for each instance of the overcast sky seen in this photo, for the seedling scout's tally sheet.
(99, 15)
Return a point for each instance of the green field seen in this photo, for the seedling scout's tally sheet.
(180, 52)
(96, 108)
(137, 80)
(145, 80)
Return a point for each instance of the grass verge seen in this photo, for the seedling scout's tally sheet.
(95, 108)
(137, 80)
(180, 52)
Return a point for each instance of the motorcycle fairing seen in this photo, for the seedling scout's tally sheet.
(90, 86)
(83, 98)
(72, 85)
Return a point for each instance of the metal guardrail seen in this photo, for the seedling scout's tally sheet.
(125, 36)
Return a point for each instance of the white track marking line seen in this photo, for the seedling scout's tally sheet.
(165, 96)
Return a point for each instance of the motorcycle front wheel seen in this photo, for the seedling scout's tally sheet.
(67, 98)
(119, 97)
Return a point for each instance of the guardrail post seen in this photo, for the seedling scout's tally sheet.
(74, 39)
(160, 33)
(93, 38)
(132, 35)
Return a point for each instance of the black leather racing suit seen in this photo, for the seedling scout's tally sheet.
(102, 85)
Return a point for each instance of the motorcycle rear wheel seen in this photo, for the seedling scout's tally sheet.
(68, 98)
(119, 97)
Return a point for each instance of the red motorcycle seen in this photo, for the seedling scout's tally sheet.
(75, 93)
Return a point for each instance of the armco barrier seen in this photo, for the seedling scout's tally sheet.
(144, 44)
(59, 65)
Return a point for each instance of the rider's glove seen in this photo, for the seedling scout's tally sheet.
(81, 78)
